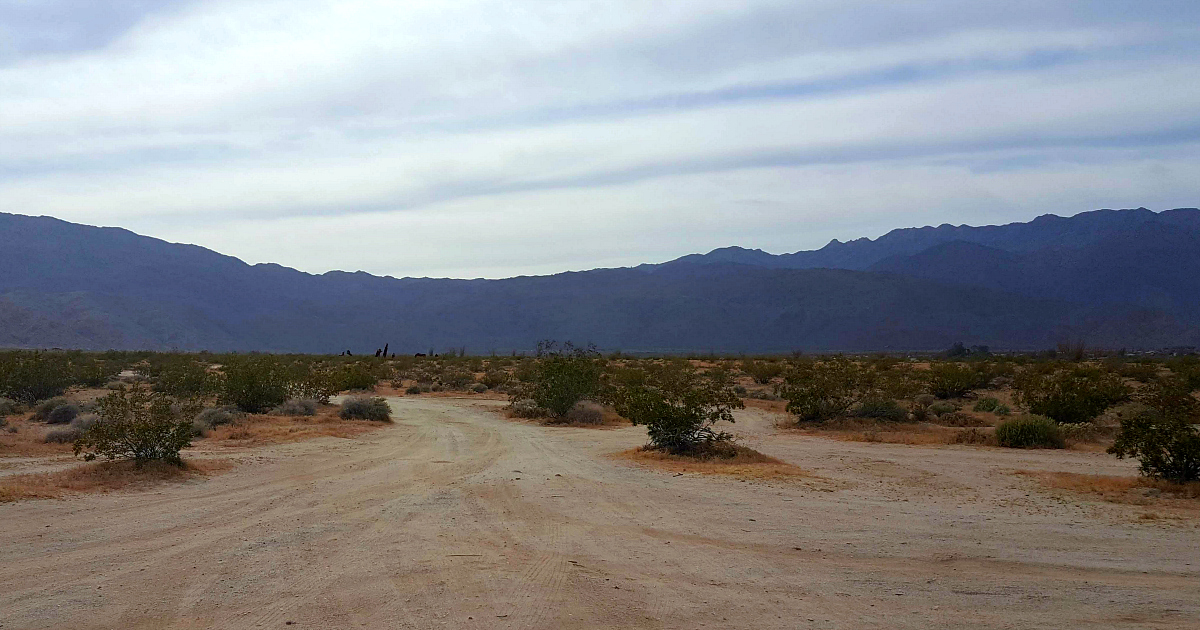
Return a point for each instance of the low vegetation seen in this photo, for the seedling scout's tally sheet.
(1029, 431)
(371, 408)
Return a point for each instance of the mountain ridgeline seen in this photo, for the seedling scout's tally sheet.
(1112, 278)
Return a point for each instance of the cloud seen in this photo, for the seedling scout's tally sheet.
(262, 128)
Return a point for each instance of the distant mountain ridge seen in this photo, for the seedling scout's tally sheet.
(1114, 278)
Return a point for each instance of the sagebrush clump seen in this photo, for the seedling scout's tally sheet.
(297, 407)
(366, 408)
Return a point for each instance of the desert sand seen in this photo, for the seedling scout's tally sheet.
(456, 517)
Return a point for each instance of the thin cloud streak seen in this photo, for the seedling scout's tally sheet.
(262, 128)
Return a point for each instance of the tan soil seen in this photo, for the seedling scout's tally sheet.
(456, 517)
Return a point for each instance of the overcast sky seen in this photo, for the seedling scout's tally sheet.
(470, 138)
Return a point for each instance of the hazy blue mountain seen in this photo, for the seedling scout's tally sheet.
(1116, 279)
(1045, 232)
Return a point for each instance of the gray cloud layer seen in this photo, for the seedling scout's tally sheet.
(473, 138)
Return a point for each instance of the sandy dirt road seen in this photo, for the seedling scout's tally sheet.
(457, 518)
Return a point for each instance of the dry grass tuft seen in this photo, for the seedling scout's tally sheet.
(260, 429)
(102, 477)
(1140, 491)
(747, 464)
(29, 439)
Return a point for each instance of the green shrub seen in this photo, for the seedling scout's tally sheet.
(1069, 394)
(881, 409)
(561, 377)
(763, 372)
(825, 389)
(138, 425)
(358, 377)
(1163, 435)
(1029, 431)
(941, 408)
(184, 378)
(62, 414)
(214, 417)
(28, 377)
(255, 384)
(954, 380)
(986, 405)
(414, 390)
(41, 413)
(366, 408)
(9, 407)
(679, 407)
(1002, 410)
(495, 378)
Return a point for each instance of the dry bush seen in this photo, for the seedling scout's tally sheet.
(585, 412)
(959, 419)
(102, 477)
(744, 462)
(527, 408)
(297, 407)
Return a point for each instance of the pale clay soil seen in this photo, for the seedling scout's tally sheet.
(456, 517)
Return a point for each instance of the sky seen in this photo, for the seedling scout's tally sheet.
(471, 138)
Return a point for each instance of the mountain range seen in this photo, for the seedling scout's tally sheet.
(1111, 278)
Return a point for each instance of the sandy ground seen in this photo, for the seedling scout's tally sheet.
(458, 518)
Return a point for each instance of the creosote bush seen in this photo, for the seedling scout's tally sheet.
(679, 407)
(1163, 436)
(137, 424)
(28, 377)
(63, 414)
(955, 380)
(366, 408)
(1029, 431)
(986, 405)
(1069, 394)
(560, 377)
(825, 389)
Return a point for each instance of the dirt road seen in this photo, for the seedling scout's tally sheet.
(457, 518)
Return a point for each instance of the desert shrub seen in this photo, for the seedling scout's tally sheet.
(366, 408)
(214, 417)
(825, 389)
(62, 414)
(763, 372)
(959, 419)
(1162, 435)
(255, 384)
(479, 388)
(941, 408)
(881, 409)
(955, 380)
(740, 390)
(585, 412)
(1029, 431)
(358, 376)
(28, 377)
(1079, 431)
(920, 406)
(183, 378)
(762, 394)
(62, 435)
(986, 405)
(561, 377)
(456, 377)
(137, 424)
(414, 390)
(679, 407)
(1069, 394)
(41, 413)
(297, 407)
(527, 408)
(495, 378)
(9, 407)
(971, 436)
(1002, 410)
